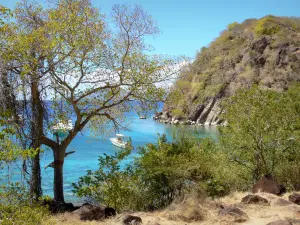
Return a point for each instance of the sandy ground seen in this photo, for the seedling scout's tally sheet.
(198, 211)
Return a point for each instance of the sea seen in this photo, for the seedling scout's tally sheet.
(88, 147)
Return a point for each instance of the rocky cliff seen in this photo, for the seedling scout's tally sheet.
(265, 52)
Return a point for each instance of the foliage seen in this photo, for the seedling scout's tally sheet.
(16, 205)
(16, 208)
(177, 113)
(262, 136)
(266, 26)
(232, 25)
(160, 173)
(10, 151)
(91, 68)
(110, 184)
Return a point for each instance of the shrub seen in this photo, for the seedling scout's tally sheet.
(177, 113)
(266, 26)
(16, 207)
(262, 136)
(111, 184)
(232, 25)
(162, 172)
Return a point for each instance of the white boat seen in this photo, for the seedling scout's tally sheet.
(62, 126)
(119, 141)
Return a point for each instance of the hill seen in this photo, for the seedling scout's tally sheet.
(265, 52)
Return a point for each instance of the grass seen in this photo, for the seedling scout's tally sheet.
(193, 210)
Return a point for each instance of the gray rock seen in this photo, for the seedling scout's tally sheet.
(260, 45)
(213, 115)
(232, 214)
(165, 115)
(202, 118)
(194, 115)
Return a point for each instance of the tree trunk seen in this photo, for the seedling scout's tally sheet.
(58, 188)
(35, 182)
(36, 133)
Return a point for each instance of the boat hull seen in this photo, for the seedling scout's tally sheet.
(115, 142)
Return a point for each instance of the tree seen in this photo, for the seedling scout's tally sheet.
(92, 69)
(262, 136)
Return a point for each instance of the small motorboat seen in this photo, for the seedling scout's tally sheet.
(143, 117)
(120, 141)
(62, 126)
(61, 129)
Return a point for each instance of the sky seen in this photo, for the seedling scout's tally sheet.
(188, 25)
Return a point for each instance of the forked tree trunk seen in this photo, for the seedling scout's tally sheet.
(58, 188)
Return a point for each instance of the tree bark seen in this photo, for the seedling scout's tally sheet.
(35, 181)
(58, 188)
(36, 134)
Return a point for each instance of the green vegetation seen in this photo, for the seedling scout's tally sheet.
(177, 113)
(267, 26)
(94, 73)
(16, 206)
(91, 69)
(162, 172)
(263, 133)
(262, 137)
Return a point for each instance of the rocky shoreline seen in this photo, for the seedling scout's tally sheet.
(203, 115)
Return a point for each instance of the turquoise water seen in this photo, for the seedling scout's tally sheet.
(88, 148)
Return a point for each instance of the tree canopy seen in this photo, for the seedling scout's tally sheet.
(91, 66)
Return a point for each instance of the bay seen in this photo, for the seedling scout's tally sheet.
(89, 147)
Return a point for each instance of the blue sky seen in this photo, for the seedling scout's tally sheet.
(188, 25)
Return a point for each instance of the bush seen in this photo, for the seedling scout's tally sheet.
(111, 184)
(16, 207)
(177, 113)
(162, 172)
(266, 26)
(232, 25)
(262, 136)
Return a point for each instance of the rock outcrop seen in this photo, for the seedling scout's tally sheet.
(204, 115)
(245, 54)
